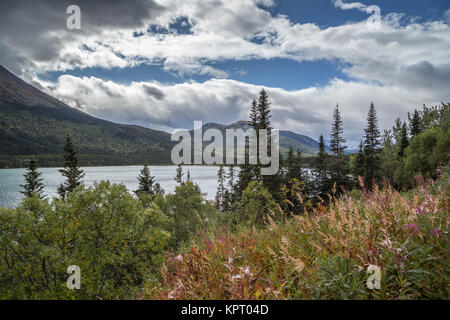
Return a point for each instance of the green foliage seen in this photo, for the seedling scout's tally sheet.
(33, 181)
(71, 171)
(147, 187)
(220, 195)
(322, 176)
(117, 243)
(324, 254)
(255, 204)
(179, 175)
(189, 211)
(340, 170)
(415, 123)
(425, 154)
(371, 148)
(357, 163)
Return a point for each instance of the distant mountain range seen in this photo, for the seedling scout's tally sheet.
(34, 123)
(288, 139)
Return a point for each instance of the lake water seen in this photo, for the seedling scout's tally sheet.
(11, 179)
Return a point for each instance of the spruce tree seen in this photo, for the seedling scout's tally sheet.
(293, 164)
(415, 123)
(321, 171)
(339, 171)
(271, 182)
(146, 182)
(71, 170)
(254, 115)
(220, 195)
(371, 148)
(248, 172)
(179, 175)
(264, 111)
(33, 181)
(231, 196)
(403, 143)
(358, 170)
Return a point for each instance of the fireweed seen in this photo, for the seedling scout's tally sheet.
(324, 254)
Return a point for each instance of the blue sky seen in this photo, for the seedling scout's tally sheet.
(281, 73)
(164, 64)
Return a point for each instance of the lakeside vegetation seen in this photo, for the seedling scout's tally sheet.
(286, 236)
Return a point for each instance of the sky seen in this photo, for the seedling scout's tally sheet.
(164, 64)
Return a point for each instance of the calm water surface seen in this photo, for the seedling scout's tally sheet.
(11, 179)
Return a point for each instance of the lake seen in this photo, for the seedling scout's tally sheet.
(11, 179)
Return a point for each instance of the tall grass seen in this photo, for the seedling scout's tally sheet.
(325, 254)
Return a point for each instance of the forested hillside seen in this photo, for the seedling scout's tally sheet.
(33, 123)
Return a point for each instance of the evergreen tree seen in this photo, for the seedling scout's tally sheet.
(371, 148)
(33, 181)
(415, 123)
(71, 171)
(294, 182)
(271, 182)
(254, 115)
(231, 177)
(358, 169)
(321, 171)
(293, 166)
(188, 178)
(220, 195)
(248, 172)
(264, 111)
(339, 171)
(179, 175)
(159, 190)
(403, 143)
(230, 197)
(146, 183)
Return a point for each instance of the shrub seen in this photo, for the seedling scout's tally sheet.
(326, 253)
(117, 244)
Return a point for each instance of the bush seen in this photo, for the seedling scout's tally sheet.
(326, 253)
(117, 244)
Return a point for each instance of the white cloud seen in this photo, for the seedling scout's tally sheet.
(349, 6)
(399, 66)
(307, 111)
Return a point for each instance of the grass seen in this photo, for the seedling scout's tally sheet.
(324, 254)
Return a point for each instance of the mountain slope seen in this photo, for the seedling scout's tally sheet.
(288, 139)
(34, 123)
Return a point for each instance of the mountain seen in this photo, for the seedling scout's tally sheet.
(288, 139)
(34, 123)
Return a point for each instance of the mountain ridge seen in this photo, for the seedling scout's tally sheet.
(34, 123)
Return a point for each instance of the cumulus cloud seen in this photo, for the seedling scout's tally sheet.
(307, 111)
(399, 66)
(349, 6)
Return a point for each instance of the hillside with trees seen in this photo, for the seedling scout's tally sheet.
(33, 123)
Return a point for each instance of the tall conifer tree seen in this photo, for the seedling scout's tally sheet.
(358, 170)
(339, 171)
(403, 143)
(371, 148)
(179, 175)
(33, 181)
(220, 195)
(321, 171)
(414, 123)
(71, 171)
(146, 181)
